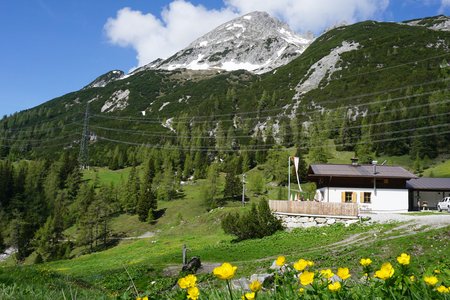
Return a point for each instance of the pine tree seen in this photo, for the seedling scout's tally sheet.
(233, 186)
(317, 146)
(147, 201)
(268, 223)
(209, 190)
(130, 196)
(256, 183)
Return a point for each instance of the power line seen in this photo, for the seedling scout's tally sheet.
(145, 133)
(214, 149)
(158, 119)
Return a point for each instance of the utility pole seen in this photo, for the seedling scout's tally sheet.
(243, 188)
(83, 158)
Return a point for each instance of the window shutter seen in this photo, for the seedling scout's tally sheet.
(361, 197)
(354, 197)
(343, 197)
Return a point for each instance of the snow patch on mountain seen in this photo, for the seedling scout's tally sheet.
(164, 105)
(168, 124)
(439, 23)
(184, 99)
(117, 101)
(105, 79)
(94, 99)
(255, 42)
(326, 65)
(318, 71)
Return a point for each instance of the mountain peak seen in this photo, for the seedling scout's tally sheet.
(255, 42)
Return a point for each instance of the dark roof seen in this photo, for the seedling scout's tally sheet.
(432, 184)
(358, 171)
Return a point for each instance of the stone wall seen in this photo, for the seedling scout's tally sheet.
(304, 221)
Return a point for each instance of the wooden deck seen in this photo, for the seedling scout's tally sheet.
(314, 208)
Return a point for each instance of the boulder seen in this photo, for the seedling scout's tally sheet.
(263, 278)
(240, 284)
(321, 220)
(331, 221)
(309, 224)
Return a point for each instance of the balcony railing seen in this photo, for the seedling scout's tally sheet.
(314, 208)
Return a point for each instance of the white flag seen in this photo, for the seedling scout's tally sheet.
(296, 161)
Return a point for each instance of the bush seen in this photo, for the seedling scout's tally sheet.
(257, 223)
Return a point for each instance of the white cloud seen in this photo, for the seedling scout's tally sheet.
(444, 4)
(314, 15)
(182, 22)
(153, 38)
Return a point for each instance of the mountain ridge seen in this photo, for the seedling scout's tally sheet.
(254, 42)
(361, 67)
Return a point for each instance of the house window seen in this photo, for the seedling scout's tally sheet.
(348, 197)
(367, 198)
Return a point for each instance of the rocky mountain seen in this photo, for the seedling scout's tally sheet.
(440, 22)
(255, 42)
(384, 85)
(104, 79)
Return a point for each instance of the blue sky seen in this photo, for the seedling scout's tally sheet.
(52, 47)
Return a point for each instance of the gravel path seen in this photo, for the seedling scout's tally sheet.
(436, 220)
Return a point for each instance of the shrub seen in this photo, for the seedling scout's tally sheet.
(257, 223)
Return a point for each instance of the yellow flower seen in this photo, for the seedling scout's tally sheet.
(412, 278)
(301, 264)
(385, 272)
(404, 259)
(327, 273)
(430, 280)
(310, 263)
(365, 262)
(255, 286)
(249, 296)
(280, 261)
(187, 282)
(301, 290)
(306, 278)
(182, 282)
(443, 290)
(335, 286)
(343, 273)
(193, 293)
(437, 271)
(225, 271)
(145, 298)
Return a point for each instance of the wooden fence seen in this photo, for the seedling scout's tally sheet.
(314, 208)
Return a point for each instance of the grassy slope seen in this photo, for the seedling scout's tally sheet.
(186, 222)
(107, 176)
(439, 170)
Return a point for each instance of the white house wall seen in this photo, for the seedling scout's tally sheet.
(384, 200)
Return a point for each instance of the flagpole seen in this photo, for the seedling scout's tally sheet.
(289, 178)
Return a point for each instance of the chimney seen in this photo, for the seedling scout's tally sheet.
(354, 161)
(374, 163)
